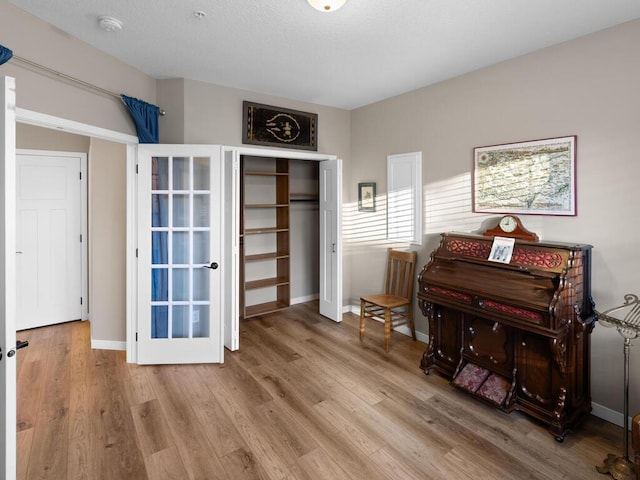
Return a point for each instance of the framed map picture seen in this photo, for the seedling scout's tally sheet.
(535, 178)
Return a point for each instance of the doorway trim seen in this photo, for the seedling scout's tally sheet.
(44, 120)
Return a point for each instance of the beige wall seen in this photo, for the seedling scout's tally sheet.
(588, 87)
(107, 233)
(42, 43)
(36, 138)
(213, 115)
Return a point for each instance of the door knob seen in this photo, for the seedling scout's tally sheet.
(213, 266)
(19, 344)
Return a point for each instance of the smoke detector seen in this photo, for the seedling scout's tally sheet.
(110, 24)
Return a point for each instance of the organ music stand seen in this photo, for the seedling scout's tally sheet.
(622, 468)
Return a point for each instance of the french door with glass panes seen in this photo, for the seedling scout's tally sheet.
(179, 254)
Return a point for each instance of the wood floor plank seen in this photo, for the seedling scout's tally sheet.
(283, 429)
(362, 437)
(115, 452)
(32, 373)
(318, 465)
(397, 467)
(51, 435)
(218, 427)
(151, 427)
(303, 399)
(193, 446)
(23, 446)
(166, 464)
(261, 451)
(241, 464)
(80, 401)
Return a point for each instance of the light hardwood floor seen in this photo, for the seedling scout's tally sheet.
(301, 399)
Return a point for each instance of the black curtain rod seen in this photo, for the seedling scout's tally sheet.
(73, 79)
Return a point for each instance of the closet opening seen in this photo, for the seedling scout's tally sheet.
(279, 234)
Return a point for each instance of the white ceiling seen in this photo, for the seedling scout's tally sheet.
(367, 51)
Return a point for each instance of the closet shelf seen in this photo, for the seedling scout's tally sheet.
(253, 231)
(304, 197)
(266, 205)
(267, 174)
(266, 282)
(264, 308)
(265, 256)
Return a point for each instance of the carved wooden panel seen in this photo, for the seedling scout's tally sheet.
(489, 343)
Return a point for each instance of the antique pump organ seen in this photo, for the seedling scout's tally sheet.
(517, 334)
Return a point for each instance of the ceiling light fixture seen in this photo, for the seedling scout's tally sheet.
(327, 5)
(110, 24)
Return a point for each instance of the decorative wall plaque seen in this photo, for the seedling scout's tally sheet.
(279, 127)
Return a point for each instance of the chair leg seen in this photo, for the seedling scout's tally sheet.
(361, 319)
(387, 328)
(411, 324)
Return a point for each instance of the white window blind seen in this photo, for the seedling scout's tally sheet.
(404, 197)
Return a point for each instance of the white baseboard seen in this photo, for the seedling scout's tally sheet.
(404, 329)
(108, 345)
(611, 416)
(306, 298)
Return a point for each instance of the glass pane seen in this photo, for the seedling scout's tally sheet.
(159, 321)
(180, 284)
(201, 210)
(159, 248)
(200, 321)
(180, 173)
(159, 284)
(180, 247)
(201, 174)
(181, 210)
(180, 321)
(159, 211)
(201, 283)
(159, 173)
(200, 247)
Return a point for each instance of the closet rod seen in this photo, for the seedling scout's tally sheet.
(73, 79)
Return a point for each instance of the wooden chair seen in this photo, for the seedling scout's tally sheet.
(395, 306)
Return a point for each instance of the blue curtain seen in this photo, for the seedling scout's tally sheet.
(5, 54)
(145, 116)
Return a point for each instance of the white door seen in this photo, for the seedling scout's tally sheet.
(49, 238)
(231, 248)
(7, 278)
(330, 239)
(180, 266)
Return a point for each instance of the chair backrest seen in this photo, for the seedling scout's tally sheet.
(401, 267)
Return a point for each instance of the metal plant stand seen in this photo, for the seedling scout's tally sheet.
(627, 321)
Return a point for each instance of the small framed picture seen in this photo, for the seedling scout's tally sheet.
(367, 197)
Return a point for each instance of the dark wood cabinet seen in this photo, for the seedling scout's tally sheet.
(515, 335)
